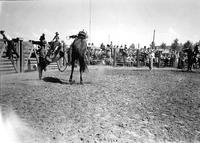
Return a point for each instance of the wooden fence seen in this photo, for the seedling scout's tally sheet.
(26, 62)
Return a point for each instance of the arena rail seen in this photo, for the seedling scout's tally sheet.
(26, 61)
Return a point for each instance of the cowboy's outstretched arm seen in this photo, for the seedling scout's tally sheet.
(5, 37)
(73, 36)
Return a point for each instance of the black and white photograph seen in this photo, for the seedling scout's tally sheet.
(99, 71)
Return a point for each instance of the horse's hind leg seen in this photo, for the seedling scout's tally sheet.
(40, 71)
(72, 70)
(82, 68)
(81, 79)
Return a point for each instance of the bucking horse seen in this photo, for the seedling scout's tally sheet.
(78, 53)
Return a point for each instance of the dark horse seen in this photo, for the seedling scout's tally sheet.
(78, 52)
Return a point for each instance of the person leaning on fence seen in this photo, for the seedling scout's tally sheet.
(10, 48)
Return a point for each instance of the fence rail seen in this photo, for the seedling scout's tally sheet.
(24, 63)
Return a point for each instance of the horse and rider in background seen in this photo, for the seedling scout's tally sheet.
(10, 45)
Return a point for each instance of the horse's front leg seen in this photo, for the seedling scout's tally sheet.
(72, 70)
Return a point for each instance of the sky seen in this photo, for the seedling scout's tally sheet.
(119, 21)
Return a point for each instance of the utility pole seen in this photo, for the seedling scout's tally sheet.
(90, 20)
(153, 42)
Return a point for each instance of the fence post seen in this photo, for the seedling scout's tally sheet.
(138, 58)
(159, 58)
(18, 59)
(176, 57)
(21, 55)
(114, 57)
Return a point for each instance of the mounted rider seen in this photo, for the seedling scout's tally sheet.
(10, 48)
(55, 46)
(55, 43)
(41, 46)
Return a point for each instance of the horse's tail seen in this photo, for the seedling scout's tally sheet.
(83, 65)
(82, 60)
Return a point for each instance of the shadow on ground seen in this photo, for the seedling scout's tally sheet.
(57, 80)
(53, 80)
(185, 71)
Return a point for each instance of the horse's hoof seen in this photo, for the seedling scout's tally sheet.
(81, 82)
(71, 81)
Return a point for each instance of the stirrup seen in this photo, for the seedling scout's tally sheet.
(4, 56)
(48, 59)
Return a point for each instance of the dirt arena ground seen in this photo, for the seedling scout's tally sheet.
(123, 105)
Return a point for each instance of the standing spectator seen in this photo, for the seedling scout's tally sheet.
(190, 58)
(151, 56)
(181, 60)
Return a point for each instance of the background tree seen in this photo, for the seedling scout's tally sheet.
(187, 45)
(163, 46)
(175, 47)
